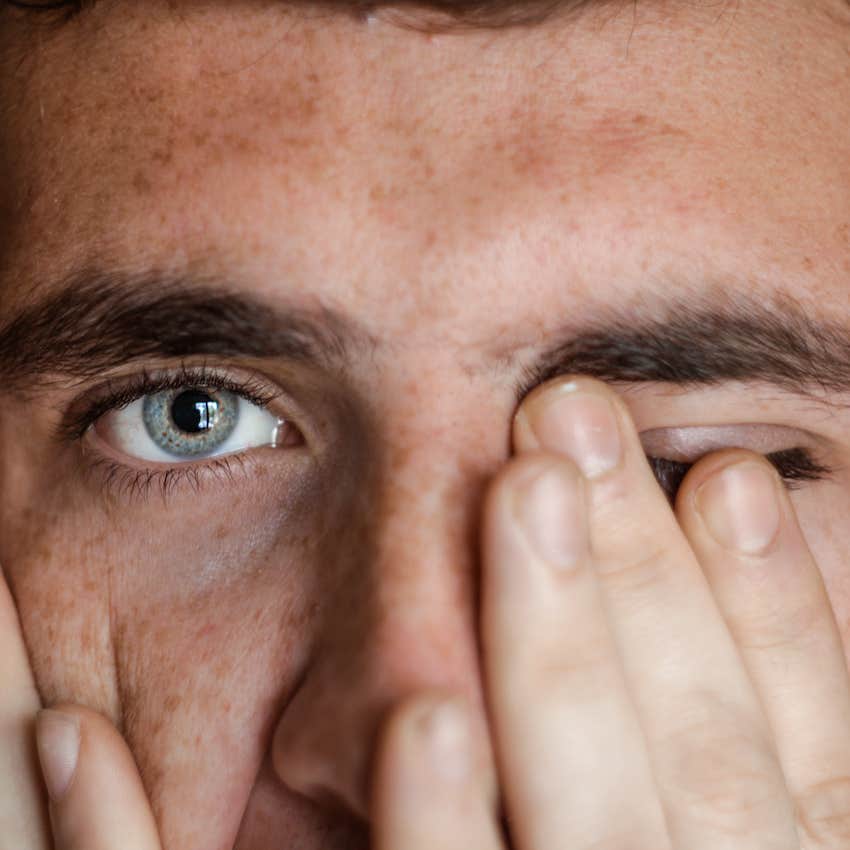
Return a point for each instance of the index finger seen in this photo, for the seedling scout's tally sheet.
(24, 821)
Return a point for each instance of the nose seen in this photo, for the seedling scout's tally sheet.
(403, 620)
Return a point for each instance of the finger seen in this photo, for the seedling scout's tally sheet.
(574, 768)
(23, 814)
(715, 763)
(97, 801)
(742, 526)
(428, 791)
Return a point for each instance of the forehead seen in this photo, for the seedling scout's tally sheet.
(437, 181)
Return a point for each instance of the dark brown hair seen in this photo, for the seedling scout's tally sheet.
(431, 14)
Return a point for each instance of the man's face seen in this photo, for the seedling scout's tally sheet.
(447, 208)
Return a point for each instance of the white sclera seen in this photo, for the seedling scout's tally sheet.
(126, 432)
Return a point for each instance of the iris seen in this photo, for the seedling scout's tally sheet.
(190, 422)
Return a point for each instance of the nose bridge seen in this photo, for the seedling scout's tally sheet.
(403, 619)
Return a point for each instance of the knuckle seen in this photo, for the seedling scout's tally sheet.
(725, 772)
(582, 672)
(823, 815)
(546, 665)
(643, 566)
(795, 627)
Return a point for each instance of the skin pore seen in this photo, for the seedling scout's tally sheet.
(457, 197)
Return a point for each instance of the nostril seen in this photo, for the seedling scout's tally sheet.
(318, 768)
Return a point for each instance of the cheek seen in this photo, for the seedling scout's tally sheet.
(210, 634)
(104, 596)
(202, 682)
(187, 627)
(59, 576)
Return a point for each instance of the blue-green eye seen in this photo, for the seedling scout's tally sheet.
(188, 423)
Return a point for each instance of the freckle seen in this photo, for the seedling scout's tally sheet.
(164, 157)
(141, 184)
(204, 631)
(244, 145)
(377, 193)
(152, 96)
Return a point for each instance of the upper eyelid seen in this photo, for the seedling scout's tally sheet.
(119, 391)
(686, 443)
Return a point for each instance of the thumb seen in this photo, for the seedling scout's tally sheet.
(97, 800)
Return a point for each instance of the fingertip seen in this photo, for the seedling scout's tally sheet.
(706, 468)
(98, 800)
(58, 741)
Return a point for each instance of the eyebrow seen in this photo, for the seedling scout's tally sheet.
(703, 338)
(96, 321)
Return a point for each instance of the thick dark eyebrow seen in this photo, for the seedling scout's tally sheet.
(97, 321)
(694, 340)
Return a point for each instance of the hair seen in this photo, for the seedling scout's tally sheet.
(438, 14)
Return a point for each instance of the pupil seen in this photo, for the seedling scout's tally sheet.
(194, 412)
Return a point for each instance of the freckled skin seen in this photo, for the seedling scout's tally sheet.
(458, 195)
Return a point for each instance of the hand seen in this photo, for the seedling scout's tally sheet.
(97, 801)
(651, 683)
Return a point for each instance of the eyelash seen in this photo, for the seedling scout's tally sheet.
(115, 395)
(794, 465)
(123, 480)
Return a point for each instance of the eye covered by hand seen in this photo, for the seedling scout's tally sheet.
(655, 677)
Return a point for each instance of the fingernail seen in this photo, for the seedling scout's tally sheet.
(582, 425)
(444, 731)
(740, 507)
(550, 511)
(58, 742)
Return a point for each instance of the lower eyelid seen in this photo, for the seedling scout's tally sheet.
(120, 482)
